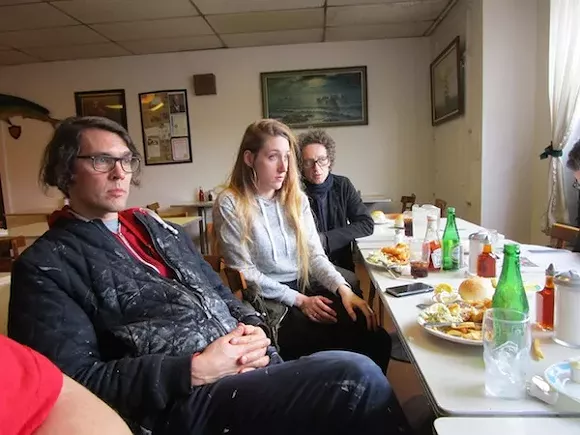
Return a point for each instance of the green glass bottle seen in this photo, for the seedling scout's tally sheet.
(510, 292)
(451, 243)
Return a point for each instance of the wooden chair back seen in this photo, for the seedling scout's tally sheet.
(10, 251)
(235, 278)
(215, 261)
(562, 235)
(153, 206)
(407, 202)
(442, 205)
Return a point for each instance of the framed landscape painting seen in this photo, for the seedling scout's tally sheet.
(316, 98)
(446, 90)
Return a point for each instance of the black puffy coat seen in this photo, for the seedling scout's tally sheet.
(114, 324)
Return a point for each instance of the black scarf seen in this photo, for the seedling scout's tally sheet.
(318, 194)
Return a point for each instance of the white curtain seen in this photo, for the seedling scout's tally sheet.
(564, 95)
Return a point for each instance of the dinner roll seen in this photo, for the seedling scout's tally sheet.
(475, 289)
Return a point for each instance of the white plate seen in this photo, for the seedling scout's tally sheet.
(383, 265)
(448, 337)
(559, 377)
(391, 223)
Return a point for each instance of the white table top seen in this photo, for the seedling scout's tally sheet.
(373, 199)
(386, 233)
(453, 374)
(196, 204)
(32, 231)
(511, 426)
(186, 220)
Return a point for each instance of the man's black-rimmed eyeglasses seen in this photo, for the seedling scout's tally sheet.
(105, 163)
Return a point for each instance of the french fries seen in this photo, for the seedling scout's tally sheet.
(472, 314)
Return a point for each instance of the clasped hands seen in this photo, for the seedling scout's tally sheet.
(242, 350)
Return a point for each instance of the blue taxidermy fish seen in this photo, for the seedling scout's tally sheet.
(11, 106)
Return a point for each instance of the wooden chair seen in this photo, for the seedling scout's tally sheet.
(407, 202)
(215, 261)
(165, 213)
(442, 205)
(235, 278)
(562, 235)
(9, 252)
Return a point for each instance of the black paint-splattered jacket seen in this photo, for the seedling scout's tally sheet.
(112, 323)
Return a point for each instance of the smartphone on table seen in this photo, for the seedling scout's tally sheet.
(413, 288)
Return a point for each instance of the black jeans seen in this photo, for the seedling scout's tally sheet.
(326, 393)
(299, 336)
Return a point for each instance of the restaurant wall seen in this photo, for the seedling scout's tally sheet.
(458, 141)
(392, 155)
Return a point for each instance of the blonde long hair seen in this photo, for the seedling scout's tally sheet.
(243, 185)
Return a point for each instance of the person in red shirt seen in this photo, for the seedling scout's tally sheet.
(35, 397)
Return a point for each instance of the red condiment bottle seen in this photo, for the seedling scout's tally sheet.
(545, 302)
(486, 261)
(201, 195)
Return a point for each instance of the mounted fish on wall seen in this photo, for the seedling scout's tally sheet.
(11, 106)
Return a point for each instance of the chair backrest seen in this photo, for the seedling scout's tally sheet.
(211, 238)
(407, 202)
(154, 206)
(215, 261)
(9, 252)
(562, 234)
(235, 278)
(442, 205)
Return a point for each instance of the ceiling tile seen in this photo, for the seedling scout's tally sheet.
(70, 52)
(267, 21)
(210, 7)
(377, 31)
(273, 38)
(33, 16)
(384, 13)
(172, 44)
(17, 2)
(54, 37)
(107, 11)
(365, 2)
(12, 57)
(154, 29)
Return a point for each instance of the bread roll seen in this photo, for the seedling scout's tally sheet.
(475, 289)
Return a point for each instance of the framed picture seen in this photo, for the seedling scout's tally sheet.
(316, 98)
(446, 90)
(109, 104)
(165, 124)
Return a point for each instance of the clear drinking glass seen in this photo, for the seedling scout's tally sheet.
(419, 253)
(506, 352)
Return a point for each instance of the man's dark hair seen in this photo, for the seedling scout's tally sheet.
(573, 162)
(57, 166)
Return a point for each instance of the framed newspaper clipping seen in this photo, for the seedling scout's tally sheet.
(165, 124)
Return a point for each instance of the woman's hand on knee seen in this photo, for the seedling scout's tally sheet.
(317, 308)
(352, 302)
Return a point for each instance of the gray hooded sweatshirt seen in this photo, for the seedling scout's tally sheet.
(271, 257)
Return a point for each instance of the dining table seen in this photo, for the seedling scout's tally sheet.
(509, 425)
(452, 374)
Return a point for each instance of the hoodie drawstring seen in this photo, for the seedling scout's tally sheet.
(282, 226)
(268, 230)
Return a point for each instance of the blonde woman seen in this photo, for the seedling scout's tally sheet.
(265, 229)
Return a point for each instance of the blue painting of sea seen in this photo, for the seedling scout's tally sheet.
(321, 99)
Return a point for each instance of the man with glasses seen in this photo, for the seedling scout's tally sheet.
(340, 214)
(123, 303)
